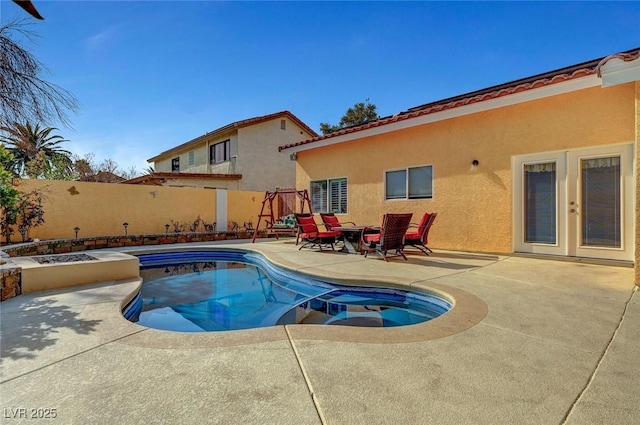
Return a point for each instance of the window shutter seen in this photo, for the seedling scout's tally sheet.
(338, 196)
(319, 196)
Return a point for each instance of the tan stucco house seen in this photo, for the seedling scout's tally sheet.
(242, 155)
(546, 165)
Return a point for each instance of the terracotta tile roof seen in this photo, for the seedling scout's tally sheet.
(234, 126)
(103, 177)
(625, 57)
(517, 86)
(159, 178)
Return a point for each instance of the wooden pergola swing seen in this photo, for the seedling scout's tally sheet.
(286, 205)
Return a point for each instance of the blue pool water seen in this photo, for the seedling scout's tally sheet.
(204, 291)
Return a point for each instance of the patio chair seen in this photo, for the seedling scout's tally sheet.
(390, 238)
(330, 221)
(417, 235)
(297, 226)
(311, 236)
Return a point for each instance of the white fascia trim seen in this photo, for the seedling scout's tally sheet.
(617, 71)
(500, 102)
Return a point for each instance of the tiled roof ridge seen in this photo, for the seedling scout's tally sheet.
(438, 107)
(541, 80)
(624, 56)
(254, 120)
(164, 174)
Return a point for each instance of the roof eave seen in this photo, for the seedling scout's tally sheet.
(542, 85)
(460, 107)
(619, 69)
(230, 129)
(165, 176)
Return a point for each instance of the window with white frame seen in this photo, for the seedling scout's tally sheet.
(329, 196)
(175, 164)
(409, 183)
(220, 152)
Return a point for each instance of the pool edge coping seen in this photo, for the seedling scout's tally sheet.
(467, 311)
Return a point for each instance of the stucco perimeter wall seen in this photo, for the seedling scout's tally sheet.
(637, 162)
(100, 209)
(244, 206)
(474, 207)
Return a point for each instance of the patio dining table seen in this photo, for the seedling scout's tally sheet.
(352, 236)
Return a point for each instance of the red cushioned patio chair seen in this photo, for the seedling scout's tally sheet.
(390, 238)
(297, 226)
(311, 236)
(418, 234)
(330, 221)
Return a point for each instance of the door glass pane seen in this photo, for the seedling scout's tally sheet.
(540, 203)
(600, 208)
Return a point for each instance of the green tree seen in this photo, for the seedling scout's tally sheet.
(35, 150)
(9, 195)
(17, 209)
(30, 212)
(360, 113)
(59, 168)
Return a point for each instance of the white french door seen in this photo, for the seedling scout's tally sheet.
(575, 203)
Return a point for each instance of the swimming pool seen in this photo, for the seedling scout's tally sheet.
(220, 290)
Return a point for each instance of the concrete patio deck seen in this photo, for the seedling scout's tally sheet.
(558, 342)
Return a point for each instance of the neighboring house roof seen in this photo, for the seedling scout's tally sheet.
(102, 177)
(494, 92)
(158, 178)
(234, 126)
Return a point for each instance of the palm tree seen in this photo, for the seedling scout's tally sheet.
(28, 144)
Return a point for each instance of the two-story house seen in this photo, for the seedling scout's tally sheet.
(242, 155)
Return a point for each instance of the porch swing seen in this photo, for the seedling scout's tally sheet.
(285, 224)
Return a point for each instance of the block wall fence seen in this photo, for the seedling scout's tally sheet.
(101, 209)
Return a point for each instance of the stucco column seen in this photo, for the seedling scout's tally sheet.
(637, 169)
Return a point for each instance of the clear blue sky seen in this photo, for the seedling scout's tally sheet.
(154, 74)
